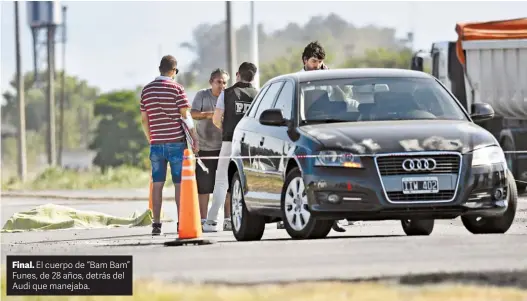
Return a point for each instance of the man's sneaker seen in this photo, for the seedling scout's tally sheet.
(227, 226)
(210, 226)
(338, 227)
(280, 225)
(156, 229)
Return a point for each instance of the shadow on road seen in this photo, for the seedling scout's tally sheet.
(323, 239)
(517, 278)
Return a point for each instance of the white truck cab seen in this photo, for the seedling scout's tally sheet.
(488, 63)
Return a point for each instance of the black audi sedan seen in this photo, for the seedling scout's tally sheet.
(365, 145)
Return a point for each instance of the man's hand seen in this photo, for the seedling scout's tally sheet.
(217, 118)
(208, 115)
(198, 115)
(195, 145)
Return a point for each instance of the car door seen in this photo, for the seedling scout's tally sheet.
(245, 141)
(255, 170)
(275, 146)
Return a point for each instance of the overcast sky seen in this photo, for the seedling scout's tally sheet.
(117, 44)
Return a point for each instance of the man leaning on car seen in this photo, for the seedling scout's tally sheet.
(313, 59)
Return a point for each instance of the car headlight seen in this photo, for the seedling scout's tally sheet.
(338, 159)
(488, 155)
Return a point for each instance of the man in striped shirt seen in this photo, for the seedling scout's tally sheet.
(165, 110)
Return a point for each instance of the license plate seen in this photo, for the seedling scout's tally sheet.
(420, 185)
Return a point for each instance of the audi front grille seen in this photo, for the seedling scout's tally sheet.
(393, 165)
(415, 164)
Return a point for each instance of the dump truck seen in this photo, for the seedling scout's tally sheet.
(488, 63)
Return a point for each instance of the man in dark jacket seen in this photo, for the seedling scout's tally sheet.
(232, 104)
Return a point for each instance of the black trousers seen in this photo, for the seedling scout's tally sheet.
(205, 181)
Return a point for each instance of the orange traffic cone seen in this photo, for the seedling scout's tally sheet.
(190, 230)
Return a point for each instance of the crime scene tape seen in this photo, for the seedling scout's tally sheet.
(199, 158)
(204, 168)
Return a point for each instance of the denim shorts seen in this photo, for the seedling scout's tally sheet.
(163, 153)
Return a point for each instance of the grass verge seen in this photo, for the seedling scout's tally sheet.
(116, 178)
(323, 291)
(59, 179)
(146, 290)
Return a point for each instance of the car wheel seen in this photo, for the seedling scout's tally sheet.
(498, 224)
(246, 226)
(414, 227)
(298, 221)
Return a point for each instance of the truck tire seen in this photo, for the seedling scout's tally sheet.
(495, 225)
(247, 226)
(294, 208)
(414, 227)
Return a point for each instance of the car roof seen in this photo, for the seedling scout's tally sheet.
(352, 73)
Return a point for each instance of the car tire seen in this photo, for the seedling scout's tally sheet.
(312, 227)
(415, 227)
(499, 224)
(246, 226)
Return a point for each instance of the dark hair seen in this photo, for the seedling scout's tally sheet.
(218, 72)
(313, 49)
(247, 71)
(167, 64)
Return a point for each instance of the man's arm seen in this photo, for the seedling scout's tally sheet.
(198, 115)
(197, 104)
(217, 118)
(184, 109)
(146, 127)
(144, 119)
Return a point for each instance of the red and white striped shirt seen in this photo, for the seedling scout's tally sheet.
(162, 99)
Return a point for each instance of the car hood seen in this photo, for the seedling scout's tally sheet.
(400, 136)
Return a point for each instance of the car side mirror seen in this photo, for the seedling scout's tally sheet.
(272, 117)
(481, 112)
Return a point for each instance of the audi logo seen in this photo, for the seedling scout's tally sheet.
(419, 164)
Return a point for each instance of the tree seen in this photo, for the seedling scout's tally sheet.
(335, 33)
(119, 138)
(282, 65)
(381, 58)
(79, 99)
(290, 63)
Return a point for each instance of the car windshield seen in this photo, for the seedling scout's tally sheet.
(376, 99)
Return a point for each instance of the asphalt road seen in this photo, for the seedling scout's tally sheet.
(370, 249)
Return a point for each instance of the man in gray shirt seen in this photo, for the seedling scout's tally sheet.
(209, 136)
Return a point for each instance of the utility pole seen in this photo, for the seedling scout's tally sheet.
(231, 45)
(254, 46)
(63, 87)
(51, 143)
(22, 158)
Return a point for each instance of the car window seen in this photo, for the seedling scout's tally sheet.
(376, 99)
(256, 101)
(268, 98)
(285, 100)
